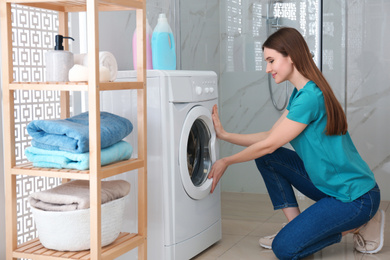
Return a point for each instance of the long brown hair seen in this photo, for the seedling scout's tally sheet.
(289, 42)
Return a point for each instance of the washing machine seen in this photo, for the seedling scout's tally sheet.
(183, 217)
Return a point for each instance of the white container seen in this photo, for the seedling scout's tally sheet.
(58, 62)
(149, 62)
(70, 230)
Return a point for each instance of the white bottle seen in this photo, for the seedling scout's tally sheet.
(149, 63)
(59, 62)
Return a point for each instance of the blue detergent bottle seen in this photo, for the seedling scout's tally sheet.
(163, 46)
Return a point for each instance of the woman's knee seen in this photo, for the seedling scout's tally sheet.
(283, 249)
(262, 162)
(265, 159)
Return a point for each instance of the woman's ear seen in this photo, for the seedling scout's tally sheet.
(290, 60)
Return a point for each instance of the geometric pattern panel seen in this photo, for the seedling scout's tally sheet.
(33, 32)
(285, 10)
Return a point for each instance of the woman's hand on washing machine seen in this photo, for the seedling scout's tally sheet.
(216, 172)
(220, 132)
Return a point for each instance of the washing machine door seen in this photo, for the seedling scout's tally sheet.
(197, 152)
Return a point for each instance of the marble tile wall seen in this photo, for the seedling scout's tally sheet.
(199, 35)
(368, 84)
(356, 63)
(225, 36)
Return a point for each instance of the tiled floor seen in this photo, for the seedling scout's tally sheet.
(247, 217)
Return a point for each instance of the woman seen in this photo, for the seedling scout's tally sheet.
(325, 165)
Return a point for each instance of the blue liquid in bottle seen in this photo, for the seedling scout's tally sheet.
(163, 46)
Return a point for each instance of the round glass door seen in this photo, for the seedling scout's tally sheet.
(197, 152)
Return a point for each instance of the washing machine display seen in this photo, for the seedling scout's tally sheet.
(197, 152)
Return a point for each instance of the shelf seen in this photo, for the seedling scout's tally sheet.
(80, 5)
(33, 249)
(74, 86)
(106, 171)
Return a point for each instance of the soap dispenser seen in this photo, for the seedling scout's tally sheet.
(59, 61)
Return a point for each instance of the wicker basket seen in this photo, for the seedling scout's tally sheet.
(70, 230)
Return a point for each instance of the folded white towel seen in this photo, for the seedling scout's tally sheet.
(106, 59)
(74, 195)
(80, 73)
(79, 58)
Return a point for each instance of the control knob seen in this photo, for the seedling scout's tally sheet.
(198, 90)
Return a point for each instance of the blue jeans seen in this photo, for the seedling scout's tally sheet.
(321, 224)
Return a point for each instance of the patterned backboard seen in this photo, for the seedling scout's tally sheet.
(33, 32)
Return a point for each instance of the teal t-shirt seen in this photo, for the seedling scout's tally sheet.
(332, 162)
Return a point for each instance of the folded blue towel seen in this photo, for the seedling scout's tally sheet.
(80, 161)
(72, 134)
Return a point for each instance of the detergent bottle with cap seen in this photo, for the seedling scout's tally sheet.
(149, 64)
(163, 45)
(59, 61)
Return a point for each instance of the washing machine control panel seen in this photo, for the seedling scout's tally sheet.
(204, 87)
(192, 86)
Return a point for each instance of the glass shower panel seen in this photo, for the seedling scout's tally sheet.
(334, 47)
(245, 24)
(248, 23)
(303, 16)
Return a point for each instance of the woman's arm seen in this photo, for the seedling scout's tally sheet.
(241, 139)
(281, 133)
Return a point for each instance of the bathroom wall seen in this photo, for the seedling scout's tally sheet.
(195, 25)
(368, 84)
(356, 63)
(199, 35)
(354, 60)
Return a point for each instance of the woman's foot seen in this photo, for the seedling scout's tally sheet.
(369, 238)
(266, 242)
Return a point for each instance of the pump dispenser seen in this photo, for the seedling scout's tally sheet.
(163, 45)
(59, 61)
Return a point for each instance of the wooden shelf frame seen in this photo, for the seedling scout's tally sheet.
(106, 171)
(34, 247)
(68, 6)
(96, 173)
(74, 86)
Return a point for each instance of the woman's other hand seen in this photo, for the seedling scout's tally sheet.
(216, 172)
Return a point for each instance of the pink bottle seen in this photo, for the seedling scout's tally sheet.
(149, 63)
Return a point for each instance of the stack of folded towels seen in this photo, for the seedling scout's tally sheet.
(74, 195)
(64, 143)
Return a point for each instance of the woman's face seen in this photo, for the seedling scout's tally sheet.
(280, 67)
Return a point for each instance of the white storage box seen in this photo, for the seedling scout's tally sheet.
(70, 230)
